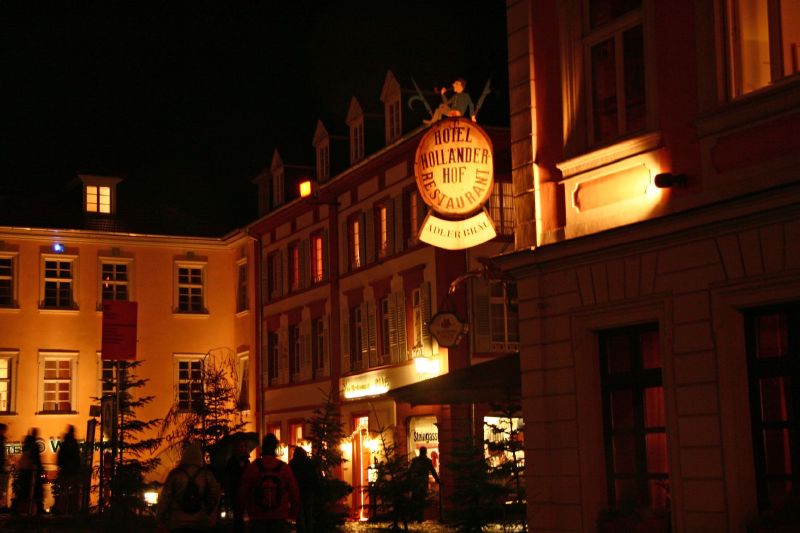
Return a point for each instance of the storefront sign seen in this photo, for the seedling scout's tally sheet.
(447, 328)
(455, 173)
(363, 388)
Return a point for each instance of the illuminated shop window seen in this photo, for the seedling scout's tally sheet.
(114, 280)
(190, 288)
(58, 283)
(773, 364)
(57, 376)
(8, 281)
(764, 42)
(98, 199)
(637, 468)
(503, 439)
(189, 384)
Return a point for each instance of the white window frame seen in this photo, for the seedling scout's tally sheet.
(43, 280)
(507, 343)
(242, 286)
(193, 265)
(191, 359)
(12, 278)
(11, 357)
(100, 364)
(128, 263)
(72, 357)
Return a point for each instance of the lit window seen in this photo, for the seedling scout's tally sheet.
(57, 371)
(8, 281)
(242, 300)
(616, 69)
(295, 350)
(765, 42)
(773, 372)
(7, 384)
(355, 242)
(98, 199)
(114, 281)
(317, 259)
(295, 433)
(637, 467)
(383, 230)
(503, 310)
(501, 207)
(412, 214)
(58, 283)
(189, 381)
(190, 289)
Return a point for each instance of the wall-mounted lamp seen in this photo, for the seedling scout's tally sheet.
(667, 180)
(306, 188)
(58, 248)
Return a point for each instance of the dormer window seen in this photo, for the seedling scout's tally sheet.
(276, 180)
(277, 188)
(99, 195)
(322, 145)
(390, 96)
(355, 121)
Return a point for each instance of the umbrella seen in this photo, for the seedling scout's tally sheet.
(222, 450)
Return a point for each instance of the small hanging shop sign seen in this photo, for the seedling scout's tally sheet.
(447, 329)
(454, 170)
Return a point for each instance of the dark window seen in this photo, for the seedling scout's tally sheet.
(190, 290)
(773, 363)
(356, 339)
(58, 284)
(273, 354)
(294, 353)
(190, 385)
(241, 289)
(318, 345)
(6, 281)
(115, 281)
(633, 414)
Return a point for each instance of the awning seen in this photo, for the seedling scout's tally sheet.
(497, 380)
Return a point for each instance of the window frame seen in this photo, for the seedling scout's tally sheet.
(191, 359)
(323, 161)
(190, 265)
(293, 254)
(295, 350)
(96, 207)
(273, 357)
(73, 281)
(48, 356)
(242, 286)
(508, 298)
(501, 207)
(243, 403)
(382, 229)
(101, 364)
(128, 283)
(12, 359)
(356, 247)
(12, 279)
(317, 257)
(319, 352)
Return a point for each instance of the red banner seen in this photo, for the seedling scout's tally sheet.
(119, 330)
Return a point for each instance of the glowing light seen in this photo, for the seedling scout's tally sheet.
(305, 188)
(372, 445)
(427, 365)
(345, 447)
(151, 497)
(58, 247)
(360, 389)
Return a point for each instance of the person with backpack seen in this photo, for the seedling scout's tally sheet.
(269, 491)
(190, 496)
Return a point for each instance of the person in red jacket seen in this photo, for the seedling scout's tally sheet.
(269, 491)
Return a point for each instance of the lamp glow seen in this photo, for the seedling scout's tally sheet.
(305, 189)
(426, 365)
(58, 247)
(151, 497)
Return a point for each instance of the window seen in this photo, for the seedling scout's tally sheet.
(8, 368)
(8, 280)
(58, 282)
(242, 299)
(243, 371)
(295, 353)
(356, 339)
(98, 199)
(413, 214)
(319, 347)
(356, 142)
(501, 207)
(294, 266)
(191, 288)
(317, 259)
(355, 243)
(773, 364)
(382, 223)
(386, 319)
(323, 162)
(637, 470)
(275, 274)
(57, 373)
(393, 119)
(273, 355)
(614, 44)
(107, 376)
(504, 313)
(277, 189)
(190, 384)
(114, 278)
(764, 42)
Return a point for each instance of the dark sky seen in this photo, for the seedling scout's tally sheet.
(192, 97)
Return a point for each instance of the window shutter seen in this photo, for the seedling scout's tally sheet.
(425, 302)
(345, 313)
(399, 230)
(372, 335)
(326, 256)
(326, 339)
(265, 274)
(344, 257)
(392, 320)
(364, 336)
(368, 223)
(400, 320)
(421, 212)
(283, 355)
(390, 240)
(482, 337)
(282, 281)
(305, 273)
(305, 350)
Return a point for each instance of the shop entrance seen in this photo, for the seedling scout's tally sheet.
(362, 453)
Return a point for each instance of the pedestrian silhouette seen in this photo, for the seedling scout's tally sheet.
(308, 481)
(418, 471)
(69, 473)
(234, 469)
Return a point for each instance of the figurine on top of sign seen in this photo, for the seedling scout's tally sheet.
(459, 104)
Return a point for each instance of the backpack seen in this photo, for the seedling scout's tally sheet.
(191, 500)
(269, 491)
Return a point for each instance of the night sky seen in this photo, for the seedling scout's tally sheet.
(190, 98)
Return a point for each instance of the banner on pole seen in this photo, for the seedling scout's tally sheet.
(119, 331)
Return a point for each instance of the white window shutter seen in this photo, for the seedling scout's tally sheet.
(398, 229)
(390, 240)
(368, 223)
(326, 352)
(283, 355)
(345, 313)
(425, 302)
(394, 355)
(305, 350)
(481, 327)
(372, 336)
(400, 320)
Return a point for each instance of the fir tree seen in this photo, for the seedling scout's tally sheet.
(390, 489)
(326, 434)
